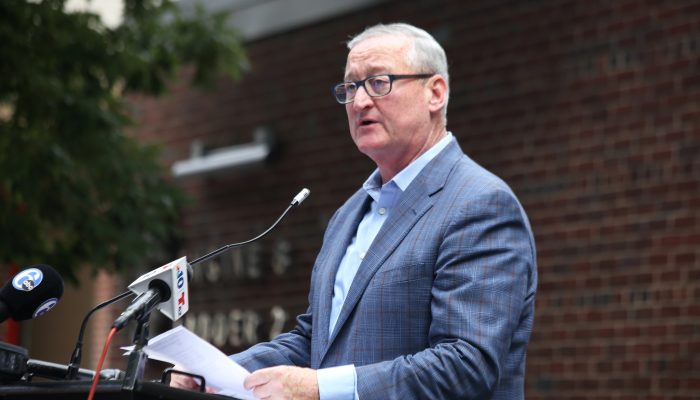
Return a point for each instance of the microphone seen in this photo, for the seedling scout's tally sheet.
(31, 292)
(166, 288)
(296, 201)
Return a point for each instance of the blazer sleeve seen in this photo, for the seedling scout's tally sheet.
(291, 348)
(483, 282)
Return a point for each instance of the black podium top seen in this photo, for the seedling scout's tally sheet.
(110, 390)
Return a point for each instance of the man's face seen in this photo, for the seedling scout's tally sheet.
(392, 129)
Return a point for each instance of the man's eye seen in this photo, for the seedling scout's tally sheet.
(379, 85)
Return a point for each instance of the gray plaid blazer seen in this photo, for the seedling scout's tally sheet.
(442, 305)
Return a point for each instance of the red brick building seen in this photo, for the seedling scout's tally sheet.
(590, 110)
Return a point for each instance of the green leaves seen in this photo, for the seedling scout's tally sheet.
(74, 188)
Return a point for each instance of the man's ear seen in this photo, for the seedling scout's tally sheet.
(437, 85)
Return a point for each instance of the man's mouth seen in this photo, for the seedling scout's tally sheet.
(367, 122)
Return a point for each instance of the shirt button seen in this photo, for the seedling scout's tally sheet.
(382, 211)
(362, 256)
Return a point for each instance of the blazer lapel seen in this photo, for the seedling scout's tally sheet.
(414, 202)
(344, 230)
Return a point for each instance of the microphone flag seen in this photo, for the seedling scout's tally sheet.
(174, 274)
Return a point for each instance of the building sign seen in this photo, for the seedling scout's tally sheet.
(247, 262)
(224, 323)
(237, 328)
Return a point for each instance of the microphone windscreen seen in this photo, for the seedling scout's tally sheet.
(32, 292)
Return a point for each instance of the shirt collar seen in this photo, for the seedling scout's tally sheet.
(373, 184)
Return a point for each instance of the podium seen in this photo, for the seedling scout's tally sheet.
(110, 390)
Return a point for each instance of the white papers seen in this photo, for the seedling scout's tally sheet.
(183, 348)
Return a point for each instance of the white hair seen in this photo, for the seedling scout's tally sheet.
(425, 55)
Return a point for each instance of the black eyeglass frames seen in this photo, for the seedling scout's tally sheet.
(375, 86)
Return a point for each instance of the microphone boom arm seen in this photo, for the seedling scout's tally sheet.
(300, 197)
(74, 364)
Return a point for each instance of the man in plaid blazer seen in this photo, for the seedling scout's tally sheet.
(424, 287)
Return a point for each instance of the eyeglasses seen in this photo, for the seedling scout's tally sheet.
(375, 86)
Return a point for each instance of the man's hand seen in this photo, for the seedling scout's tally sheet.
(283, 383)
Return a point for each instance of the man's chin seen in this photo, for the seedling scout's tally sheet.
(371, 149)
(369, 137)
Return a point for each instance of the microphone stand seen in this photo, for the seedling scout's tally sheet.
(136, 364)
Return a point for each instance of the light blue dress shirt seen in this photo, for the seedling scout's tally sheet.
(340, 383)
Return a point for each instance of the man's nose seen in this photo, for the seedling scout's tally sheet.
(362, 99)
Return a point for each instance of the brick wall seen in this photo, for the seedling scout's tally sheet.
(589, 109)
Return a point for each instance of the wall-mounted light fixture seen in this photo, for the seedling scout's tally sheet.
(224, 158)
